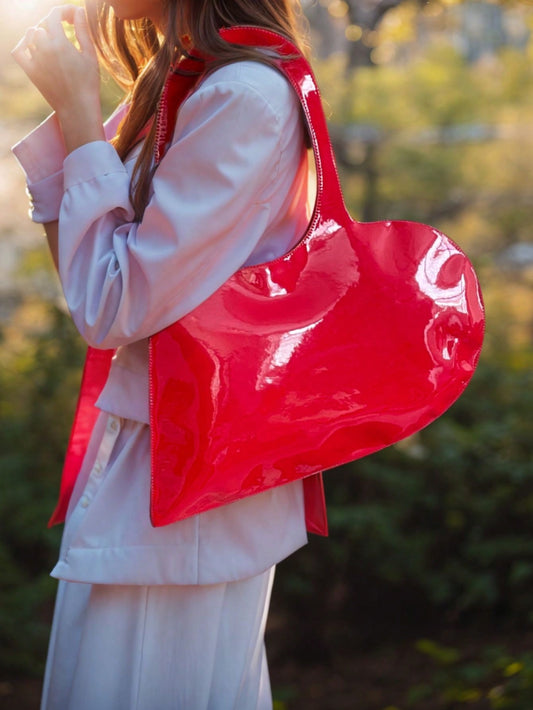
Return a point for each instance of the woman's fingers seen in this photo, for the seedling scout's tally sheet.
(50, 32)
(40, 38)
(65, 73)
(37, 41)
(81, 27)
(22, 52)
(75, 16)
(52, 24)
(62, 13)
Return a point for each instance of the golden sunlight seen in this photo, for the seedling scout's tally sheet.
(27, 12)
(29, 9)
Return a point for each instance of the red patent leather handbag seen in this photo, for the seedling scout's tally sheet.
(359, 337)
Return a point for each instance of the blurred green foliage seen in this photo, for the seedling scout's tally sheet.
(450, 144)
(489, 679)
(39, 376)
(434, 529)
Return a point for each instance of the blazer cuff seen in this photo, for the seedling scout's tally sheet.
(42, 152)
(45, 198)
(91, 161)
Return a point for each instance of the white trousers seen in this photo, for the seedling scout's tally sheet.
(159, 647)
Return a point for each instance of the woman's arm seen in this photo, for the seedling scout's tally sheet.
(67, 77)
(51, 231)
(41, 155)
(210, 206)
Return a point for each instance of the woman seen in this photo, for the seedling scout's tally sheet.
(173, 616)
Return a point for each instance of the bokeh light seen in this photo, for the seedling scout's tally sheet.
(28, 12)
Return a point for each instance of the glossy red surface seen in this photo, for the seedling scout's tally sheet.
(95, 373)
(359, 337)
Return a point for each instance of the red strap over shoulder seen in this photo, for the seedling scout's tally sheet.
(95, 374)
(182, 78)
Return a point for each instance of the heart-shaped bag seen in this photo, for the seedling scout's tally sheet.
(360, 336)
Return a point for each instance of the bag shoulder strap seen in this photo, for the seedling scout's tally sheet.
(330, 202)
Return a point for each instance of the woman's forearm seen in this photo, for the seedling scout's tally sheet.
(81, 124)
(51, 235)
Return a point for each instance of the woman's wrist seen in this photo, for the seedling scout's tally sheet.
(80, 124)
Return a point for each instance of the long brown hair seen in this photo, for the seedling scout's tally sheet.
(138, 57)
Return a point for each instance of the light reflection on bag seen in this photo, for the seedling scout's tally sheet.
(359, 337)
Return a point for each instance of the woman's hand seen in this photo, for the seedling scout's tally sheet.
(67, 77)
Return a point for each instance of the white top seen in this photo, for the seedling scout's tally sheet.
(231, 191)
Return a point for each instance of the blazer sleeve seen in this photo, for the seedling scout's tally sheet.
(209, 206)
(41, 155)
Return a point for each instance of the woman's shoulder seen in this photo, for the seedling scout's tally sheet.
(254, 80)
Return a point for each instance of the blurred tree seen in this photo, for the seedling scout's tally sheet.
(370, 32)
(39, 376)
(364, 18)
